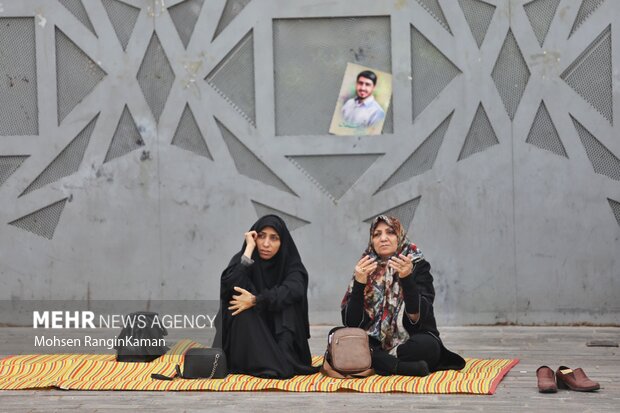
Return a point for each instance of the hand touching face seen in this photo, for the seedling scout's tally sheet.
(268, 243)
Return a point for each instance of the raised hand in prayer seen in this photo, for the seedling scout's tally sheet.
(402, 264)
(364, 267)
(239, 303)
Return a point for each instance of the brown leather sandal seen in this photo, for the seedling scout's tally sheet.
(546, 380)
(577, 380)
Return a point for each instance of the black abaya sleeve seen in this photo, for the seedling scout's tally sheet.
(290, 291)
(419, 294)
(353, 314)
(236, 275)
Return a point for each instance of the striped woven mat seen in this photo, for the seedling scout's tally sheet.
(103, 372)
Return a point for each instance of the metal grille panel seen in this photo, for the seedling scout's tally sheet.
(310, 57)
(478, 15)
(388, 124)
(590, 75)
(585, 10)
(291, 221)
(510, 74)
(543, 133)
(294, 92)
(248, 164)
(404, 212)
(188, 135)
(76, 74)
(8, 166)
(184, 16)
(126, 138)
(233, 78)
(603, 160)
(77, 9)
(123, 18)
(615, 207)
(422, 159)
(480, 136)
(334, 174)
(155, 77)
(42, 222)
(540, 13)
(68, 160)
(19, 114)
(231, 10)
(434, 9)
(431, 71)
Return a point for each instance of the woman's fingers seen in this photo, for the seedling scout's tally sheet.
(402, 264)
(402, 259)
(365, 261)
(236, 306)
(240, 290)
(250, 237)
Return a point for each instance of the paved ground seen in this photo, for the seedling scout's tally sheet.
(534, 346)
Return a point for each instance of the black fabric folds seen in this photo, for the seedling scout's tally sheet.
(270, 339)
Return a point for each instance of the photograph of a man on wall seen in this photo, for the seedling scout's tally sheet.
(362, 102)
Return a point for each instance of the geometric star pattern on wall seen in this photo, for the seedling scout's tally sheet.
(540, 13)
(405, 212)
(478, 14)
(123, 18)
(590, 75)
(511, 74)
(77, 9)
(42, 222)
(292, 222)
(434, 9)
(586, 9)
(184, 16)
(544, 133)
(231, 72)
(615, 207)
(231, 9)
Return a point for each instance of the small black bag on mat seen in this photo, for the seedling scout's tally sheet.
(142, 339)
(200, 363)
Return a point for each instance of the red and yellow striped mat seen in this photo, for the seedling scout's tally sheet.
(103, 372)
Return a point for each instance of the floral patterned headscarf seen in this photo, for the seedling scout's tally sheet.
(383, 298)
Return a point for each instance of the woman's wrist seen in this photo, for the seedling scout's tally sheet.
(248, 251)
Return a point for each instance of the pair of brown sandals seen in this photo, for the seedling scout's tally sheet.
(564, 378)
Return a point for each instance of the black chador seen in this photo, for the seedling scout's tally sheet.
(271, 338)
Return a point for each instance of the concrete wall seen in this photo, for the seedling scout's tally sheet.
(139, 139)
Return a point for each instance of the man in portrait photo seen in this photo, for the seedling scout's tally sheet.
(362, 102)
(363, 111)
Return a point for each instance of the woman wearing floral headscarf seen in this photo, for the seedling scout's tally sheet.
(391, 297)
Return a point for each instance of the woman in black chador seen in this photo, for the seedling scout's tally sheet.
(263, 326)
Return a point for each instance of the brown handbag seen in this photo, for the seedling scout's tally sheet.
(348, 354)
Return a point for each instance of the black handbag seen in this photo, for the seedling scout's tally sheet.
(200, 363)
(143, 339)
